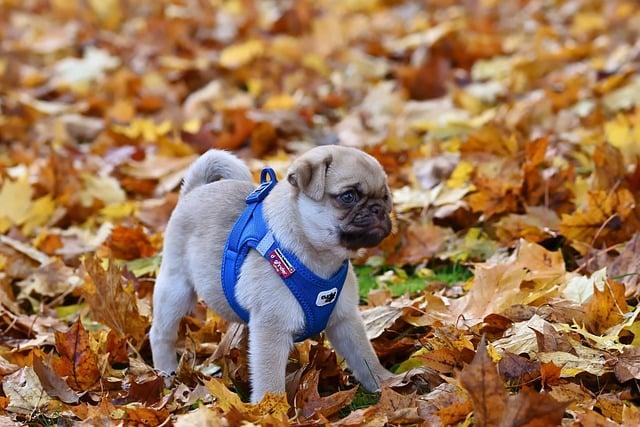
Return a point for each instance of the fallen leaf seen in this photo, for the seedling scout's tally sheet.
(201, 417)
(130, 243)
(628, 365)
(481, 380)
(25, 392)
(309, 402)
(531, 409)
(77, 362)
(93, 65)
(444, 405)
(377, 319)
(240, 54)
(605, 308)
(52, 383)
(113, 302)
(147, 391)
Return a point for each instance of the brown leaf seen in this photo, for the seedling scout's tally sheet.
(609, 218)
(130, 243)
(398, 408)
(147, 391)
(591, 418)
(112, 301)
(531, 409)
(116, 346)
(428, 80)
(549, 374)
(605, 308)
(550, 340)
(444, 405)
(626, 266)
(77, 362)
(6, 367)
(420, 243)
(52, 383)
(308, 399)
(443, 360)
(609, 167)
(628, 365)
(481, 380)
(518, 370)
(610, 405)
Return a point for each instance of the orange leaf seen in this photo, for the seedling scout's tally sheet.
(481, 379)
(605, 308)
(130, 243)
(309, 401)
(77, 362)
(111, 303)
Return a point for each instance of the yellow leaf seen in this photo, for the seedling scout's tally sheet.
(460, 175)
(272, 405)
(118, 210)
(279, 102)
(316, 63)
(192, 126)
(618, 131)
(104, 188)
(240, 54)
(254, 87)
(622, 134)
(108, 12)
(15, 201)
(225, 398)
(39, 213)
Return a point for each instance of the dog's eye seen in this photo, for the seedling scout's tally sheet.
(348, 197)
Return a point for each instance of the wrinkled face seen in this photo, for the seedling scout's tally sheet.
(343, 197)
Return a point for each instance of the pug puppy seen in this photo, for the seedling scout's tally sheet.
(334, 201)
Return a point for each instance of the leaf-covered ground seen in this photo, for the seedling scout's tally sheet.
(510, 130)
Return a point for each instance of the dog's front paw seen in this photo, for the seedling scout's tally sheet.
(373, 382)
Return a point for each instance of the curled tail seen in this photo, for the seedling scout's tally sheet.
(212, 166)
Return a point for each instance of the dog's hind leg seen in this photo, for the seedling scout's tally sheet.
(173, 298)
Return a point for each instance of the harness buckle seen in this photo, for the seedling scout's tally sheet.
(265, 186)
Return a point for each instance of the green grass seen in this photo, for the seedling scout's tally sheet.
(362, 399)
(406, 281)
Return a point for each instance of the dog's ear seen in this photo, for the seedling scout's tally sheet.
(308, 174)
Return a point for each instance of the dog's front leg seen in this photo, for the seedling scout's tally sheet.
(348, 336)
(269, 348)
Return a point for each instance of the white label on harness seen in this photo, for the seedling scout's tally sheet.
(326, 297)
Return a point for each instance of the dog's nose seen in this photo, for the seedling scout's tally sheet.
(378, 211)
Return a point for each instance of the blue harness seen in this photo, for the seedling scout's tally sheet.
(316, 296)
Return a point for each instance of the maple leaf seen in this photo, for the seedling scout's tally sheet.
(531, 409)
(628, 365)
(605, 308)
(481, 380)
(608, 218)
(445, 405)
(111, 302)
(271, 407)
(77, 362)
(53, 384)
(309, 401)
(130, 243)
(25, 392)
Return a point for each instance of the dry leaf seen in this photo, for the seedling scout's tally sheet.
(483, 383)
(310, 403)
(77, 362)
(25, 392)
(111, 302)
(52, 383)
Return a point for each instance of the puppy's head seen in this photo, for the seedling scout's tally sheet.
(343, 197)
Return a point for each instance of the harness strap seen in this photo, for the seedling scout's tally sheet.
(316, 295)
